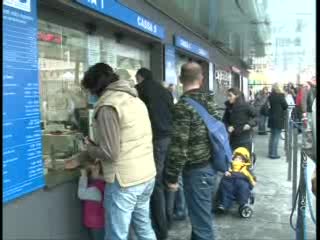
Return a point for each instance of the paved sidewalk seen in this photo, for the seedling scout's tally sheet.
(271, 210)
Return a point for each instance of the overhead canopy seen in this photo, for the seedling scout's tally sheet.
(238, 27)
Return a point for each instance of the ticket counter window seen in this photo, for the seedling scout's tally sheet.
(62, 62)
(64, 55)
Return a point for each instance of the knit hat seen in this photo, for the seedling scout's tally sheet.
(242, 152)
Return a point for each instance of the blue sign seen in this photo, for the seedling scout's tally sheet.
(170, 65)
(114, 9)
(22, 137)
(191, 47)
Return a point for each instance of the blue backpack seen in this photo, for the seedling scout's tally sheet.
(218, 135)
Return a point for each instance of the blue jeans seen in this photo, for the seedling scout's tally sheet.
(128, 205)
(262, 123)
(274, 142)
(199, 188)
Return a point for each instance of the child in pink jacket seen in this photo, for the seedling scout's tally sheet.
(91, 192)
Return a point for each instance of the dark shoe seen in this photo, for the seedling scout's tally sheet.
(263, 133)
(274, 157)
(221, 209)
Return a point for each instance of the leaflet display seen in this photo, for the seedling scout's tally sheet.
(22, 141)
(170, 65)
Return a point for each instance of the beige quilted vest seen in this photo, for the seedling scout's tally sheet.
(135, 164)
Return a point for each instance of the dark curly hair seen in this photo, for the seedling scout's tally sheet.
(98, 77)
(145, 73)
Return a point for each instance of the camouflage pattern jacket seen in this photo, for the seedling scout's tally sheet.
(190, 145)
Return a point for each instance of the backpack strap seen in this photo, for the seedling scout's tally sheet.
(204, 114)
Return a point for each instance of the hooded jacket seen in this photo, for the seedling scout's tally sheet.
(123, 135)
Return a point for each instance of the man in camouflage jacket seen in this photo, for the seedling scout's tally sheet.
(190, 152)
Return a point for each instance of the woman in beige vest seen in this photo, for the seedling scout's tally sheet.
(123, 142)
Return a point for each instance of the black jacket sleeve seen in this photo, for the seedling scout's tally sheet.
(283, 103)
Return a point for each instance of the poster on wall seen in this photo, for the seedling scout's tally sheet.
(23, 170)
(170, 65)
(93, 50)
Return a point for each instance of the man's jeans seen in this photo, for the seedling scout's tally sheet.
(262, 124)
(274, 142)
(198, 188)
(158, 198)
(128, 205)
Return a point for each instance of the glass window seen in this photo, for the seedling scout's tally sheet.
(62, 60)
(64, 56)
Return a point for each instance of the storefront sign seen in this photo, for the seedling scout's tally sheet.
(170, 65)
(191, 47)
(22, 138)
(114, 9)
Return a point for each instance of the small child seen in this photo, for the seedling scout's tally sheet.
(237, 183)
(91, 191)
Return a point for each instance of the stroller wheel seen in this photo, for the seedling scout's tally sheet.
(245, 211)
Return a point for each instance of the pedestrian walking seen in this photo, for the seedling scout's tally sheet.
(277, 116)
(259, 102)
(190, 153)
(123, 142)
(159, 102)
(239, 118)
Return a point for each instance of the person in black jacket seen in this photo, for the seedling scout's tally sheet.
(277, 116)
(159, 102)
(239, 118)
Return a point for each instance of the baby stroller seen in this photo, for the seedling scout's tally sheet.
(253, 154)
(233, 187)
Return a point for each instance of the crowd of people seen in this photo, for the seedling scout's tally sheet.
(149, 162)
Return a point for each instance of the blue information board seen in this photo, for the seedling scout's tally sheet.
(190, 46)
(22, 137)
(116, 10)
(170, 65)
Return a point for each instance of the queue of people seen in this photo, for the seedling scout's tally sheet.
(149, 162)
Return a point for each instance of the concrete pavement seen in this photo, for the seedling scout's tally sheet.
(272, 206)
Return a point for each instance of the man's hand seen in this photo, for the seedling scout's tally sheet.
(246, 127)
(230, 129)
(227, 174)
(254, 183)
(173, 187)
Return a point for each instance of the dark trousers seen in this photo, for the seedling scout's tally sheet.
(234, 188)
(262, 124)
(176, 203)
(246, 143)
(274, 142)
(96, 234)
(198, 188)
(158, 198)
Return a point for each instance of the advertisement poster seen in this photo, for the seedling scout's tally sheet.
(22, 138)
